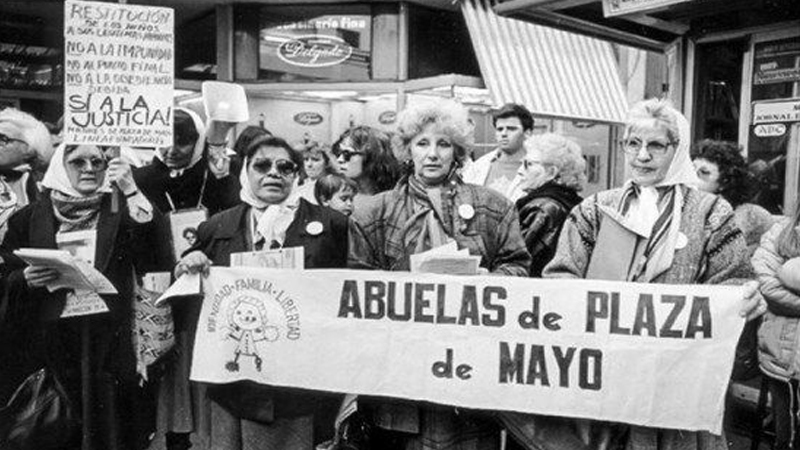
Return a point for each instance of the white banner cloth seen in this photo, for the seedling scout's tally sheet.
(646, 354)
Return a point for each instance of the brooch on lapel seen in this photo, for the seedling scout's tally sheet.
(314, 228)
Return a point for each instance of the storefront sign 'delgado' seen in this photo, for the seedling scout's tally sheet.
(315, 51)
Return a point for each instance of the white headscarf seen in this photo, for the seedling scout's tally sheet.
(272, 220)
(56, 177)
(644, 208)
(199, 145)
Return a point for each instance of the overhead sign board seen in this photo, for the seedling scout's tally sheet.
(613, 8)
(784, 111)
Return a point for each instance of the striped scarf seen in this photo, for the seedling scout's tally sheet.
(659, 249)
(76, 213)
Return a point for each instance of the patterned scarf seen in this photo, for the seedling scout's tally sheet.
(76, 213)
(431, 223)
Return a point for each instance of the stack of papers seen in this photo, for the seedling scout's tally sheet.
(75, 273)
(446, 259)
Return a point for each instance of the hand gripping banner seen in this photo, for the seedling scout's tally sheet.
(646, 354)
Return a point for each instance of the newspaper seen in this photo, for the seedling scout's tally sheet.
(75, 273)
(446, 259)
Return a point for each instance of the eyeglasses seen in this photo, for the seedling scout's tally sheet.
(283, 166)
(5, 140)
(654, 148)
(346, 153)
(91, 164)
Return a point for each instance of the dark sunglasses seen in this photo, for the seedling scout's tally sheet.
(283, 166)
(346, 153)
(91, 164)
(5, 140)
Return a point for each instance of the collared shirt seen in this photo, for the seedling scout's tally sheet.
(478, 173)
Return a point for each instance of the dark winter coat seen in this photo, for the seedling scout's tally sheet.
(219, 193)
(542, 213)
(32, 335)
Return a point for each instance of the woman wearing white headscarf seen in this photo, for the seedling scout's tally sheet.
(194, 172)
(246, 416)
(114, 410)
(676, 234)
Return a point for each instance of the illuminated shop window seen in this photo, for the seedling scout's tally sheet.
(326, 42)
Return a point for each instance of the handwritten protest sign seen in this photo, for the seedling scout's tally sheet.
(118, 74)
(645, 354)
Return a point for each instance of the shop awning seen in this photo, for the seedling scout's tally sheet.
(550, 71)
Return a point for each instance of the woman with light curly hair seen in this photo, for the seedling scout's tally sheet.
(552, 173)
(25, 151)
(430, 207)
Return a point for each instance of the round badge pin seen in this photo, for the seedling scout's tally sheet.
(682, 242)
(314, 228)
(466, 212)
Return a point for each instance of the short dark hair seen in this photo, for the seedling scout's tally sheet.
(183, 128)
(330, 184)
(514, 110)
(735, 181)
(274, 141)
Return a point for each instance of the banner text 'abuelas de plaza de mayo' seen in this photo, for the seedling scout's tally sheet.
(646, 354)
(118, 74)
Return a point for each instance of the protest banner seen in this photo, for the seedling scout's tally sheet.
(118, 74)
(646, 354)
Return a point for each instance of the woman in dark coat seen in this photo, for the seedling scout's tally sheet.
(271, 216)
(194, 172)
(119, 412)
(552, 174)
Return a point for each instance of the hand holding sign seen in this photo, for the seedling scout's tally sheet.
(754, 304)
(195, 262)
(120, 173)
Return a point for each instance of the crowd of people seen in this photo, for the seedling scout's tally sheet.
(373, 199)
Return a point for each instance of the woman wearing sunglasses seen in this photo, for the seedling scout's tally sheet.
(552, 173)
(430, 207)
(92, 356)
(271, 216)
(364, 155)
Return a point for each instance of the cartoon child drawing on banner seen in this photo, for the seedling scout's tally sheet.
(247, 318)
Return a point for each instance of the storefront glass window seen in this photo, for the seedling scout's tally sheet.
(308, 42)
(773, 151)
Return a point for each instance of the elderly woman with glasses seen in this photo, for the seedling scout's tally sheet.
(677, 235)
(364, 155)
(431, 206)
(552, 173)
(271, 216)
(92, 355)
